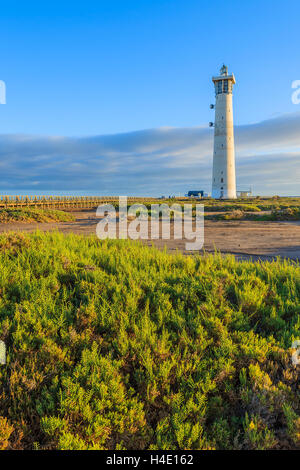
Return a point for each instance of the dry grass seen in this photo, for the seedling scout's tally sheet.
(28, 215)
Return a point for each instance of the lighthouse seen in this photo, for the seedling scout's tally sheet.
(223, 178)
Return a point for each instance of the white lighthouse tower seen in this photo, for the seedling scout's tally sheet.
(223, 178)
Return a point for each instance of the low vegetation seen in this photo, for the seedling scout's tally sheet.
(34, 215)
(286, 214)
(114, 345)
(274, 208)
(236, 214)
(252, 204)
(226, 206)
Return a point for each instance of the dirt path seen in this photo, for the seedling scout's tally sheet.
(244, 239)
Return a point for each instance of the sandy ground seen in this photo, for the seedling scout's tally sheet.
(244, 239)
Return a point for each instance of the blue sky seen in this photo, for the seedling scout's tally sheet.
(85, 70)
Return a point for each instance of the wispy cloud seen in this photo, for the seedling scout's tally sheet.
(152, 162)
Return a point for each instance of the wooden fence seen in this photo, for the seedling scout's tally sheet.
(62, 202)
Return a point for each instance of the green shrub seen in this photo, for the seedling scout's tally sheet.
(236, 214)
(114, 345)
(34, 215)
(288, 213)
(5, 432)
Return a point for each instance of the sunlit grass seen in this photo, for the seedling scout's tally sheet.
(27, 214)
(114, 345)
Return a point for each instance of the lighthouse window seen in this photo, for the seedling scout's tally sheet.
(225, 86)
(219, 89)
(222, 180)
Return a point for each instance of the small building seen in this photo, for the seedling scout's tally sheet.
(199, 194)
(244, 193)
